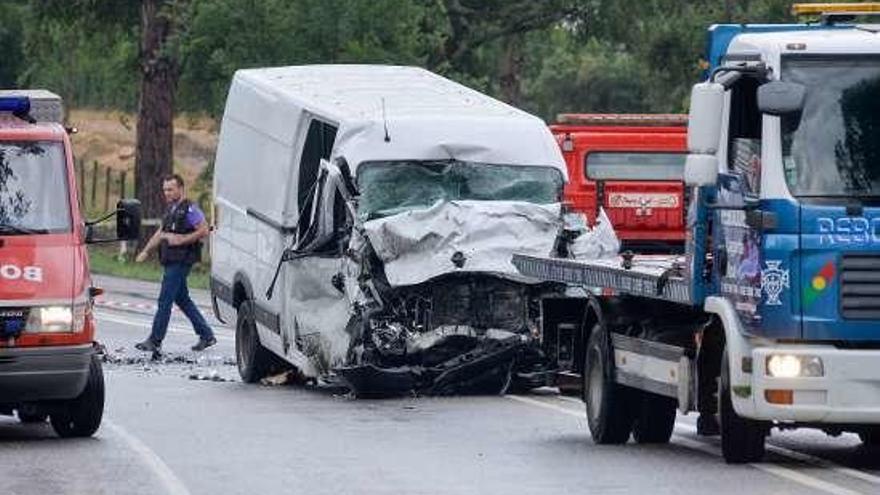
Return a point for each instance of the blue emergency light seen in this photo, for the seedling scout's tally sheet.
(18, 105)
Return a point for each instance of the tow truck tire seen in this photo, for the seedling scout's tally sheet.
(655, 419)
(81, 416)
(742, 439)
(254, 361)
(609, 412)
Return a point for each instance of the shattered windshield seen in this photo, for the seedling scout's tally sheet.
(833, 147)
(33, 188)
(387, 188)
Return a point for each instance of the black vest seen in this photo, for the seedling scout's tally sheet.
(175, 222)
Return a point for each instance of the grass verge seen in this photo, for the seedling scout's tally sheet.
(104, 260)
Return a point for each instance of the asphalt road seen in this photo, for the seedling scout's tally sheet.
(188, 426)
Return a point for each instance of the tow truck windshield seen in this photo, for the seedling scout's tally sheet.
(832, 149)
(33, 188)
(388, 188)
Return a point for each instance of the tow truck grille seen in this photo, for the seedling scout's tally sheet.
(860, 286)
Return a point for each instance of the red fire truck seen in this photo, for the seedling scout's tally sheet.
(632, 166)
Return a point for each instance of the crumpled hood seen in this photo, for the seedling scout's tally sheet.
(419, 245)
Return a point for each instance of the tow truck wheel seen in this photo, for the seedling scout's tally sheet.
(254, 360)
(81, 416)
(742, 440)
(655, 419)
(609, 414)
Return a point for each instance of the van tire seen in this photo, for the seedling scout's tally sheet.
(608, 404)
(81, 416)
(870, 436)
(254, 361)
(655, 418)
(742, 439)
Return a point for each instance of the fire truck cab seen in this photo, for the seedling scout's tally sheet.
(49, 363)
(632, 167)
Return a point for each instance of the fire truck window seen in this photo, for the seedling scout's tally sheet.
(635, 166)
(318, 145)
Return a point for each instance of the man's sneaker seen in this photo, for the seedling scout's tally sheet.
(203, 344)
(147, 346)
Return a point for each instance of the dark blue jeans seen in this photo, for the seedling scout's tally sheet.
(174, 291)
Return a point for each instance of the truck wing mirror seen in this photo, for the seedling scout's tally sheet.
(700, 170)
(128, 219)
(704, 134)
(780, 98)
(128, 222)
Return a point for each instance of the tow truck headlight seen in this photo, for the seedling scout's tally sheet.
(794, 366)
(55, 319)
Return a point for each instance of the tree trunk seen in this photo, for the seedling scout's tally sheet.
(510, 69)
(155, 127)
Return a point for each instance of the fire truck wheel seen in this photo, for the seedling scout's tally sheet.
(609, 412)
(81, 416)
(254, 360)
(655, 418)
(742, 439)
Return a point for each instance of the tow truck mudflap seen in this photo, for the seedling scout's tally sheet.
(488, 368)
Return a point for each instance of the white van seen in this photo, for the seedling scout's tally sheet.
(365, 220)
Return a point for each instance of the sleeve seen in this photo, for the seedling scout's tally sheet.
(194, 216)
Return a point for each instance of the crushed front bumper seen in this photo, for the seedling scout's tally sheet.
(29, 374)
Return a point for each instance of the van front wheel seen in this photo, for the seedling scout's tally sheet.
(254, 360)
(81, 416)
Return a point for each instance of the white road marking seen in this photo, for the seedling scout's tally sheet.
(103, 315)
(173, 485)
(778, 471)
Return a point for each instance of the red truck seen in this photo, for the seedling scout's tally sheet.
(631, 165)
(49, 364)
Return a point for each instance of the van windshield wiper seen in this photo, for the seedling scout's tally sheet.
(16, 230)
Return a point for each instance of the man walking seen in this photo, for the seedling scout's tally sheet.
(179, 241)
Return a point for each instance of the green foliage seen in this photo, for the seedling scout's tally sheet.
(549, 56)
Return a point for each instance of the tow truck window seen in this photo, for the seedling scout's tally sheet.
(388, 188)
(33, 188)
(634, 166)
(832, 149)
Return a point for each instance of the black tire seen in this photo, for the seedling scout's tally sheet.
(609, 414)
(655, 418)
(254, 361)
(81, 416)
(870, 436)
(742, 440)
(31, 417)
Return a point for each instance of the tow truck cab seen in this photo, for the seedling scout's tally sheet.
(48, 361)
(631, 166)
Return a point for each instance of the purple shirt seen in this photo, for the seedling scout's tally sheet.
(194, 216)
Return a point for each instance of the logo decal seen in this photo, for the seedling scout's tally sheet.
(774, 280)
(819, 283)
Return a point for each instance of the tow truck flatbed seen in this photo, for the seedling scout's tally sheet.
(654, 276)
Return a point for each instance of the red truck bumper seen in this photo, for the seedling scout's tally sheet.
(29, 374)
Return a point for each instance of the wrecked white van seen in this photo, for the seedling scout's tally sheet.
(365, 220)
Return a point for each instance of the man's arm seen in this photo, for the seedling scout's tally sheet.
(150, 246)
(201, 232)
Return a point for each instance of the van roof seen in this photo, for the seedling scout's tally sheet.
(357, 92)
(390, 113)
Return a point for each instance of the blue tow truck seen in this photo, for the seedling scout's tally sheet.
(772, 316)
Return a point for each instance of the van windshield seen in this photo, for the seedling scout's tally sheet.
(33, 188)
(388, 188)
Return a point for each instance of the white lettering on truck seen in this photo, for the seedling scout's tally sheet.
(27, 273)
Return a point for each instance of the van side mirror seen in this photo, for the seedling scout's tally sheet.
(780, 98)
(704, 134)
(128, 219)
